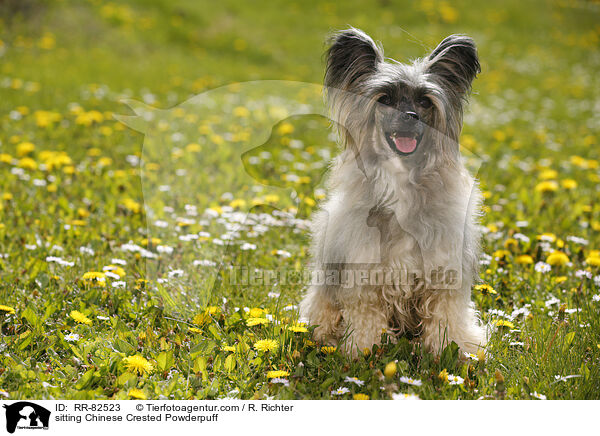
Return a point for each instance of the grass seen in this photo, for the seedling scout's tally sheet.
(533, 123)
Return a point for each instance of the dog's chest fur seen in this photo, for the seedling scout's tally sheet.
(424, 222)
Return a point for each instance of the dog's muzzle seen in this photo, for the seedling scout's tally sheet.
(404, 134)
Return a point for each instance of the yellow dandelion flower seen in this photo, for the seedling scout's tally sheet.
(237, 203)
(309, 201)
(251, 322)
(328, 349)
(548, 174)
(136, 393)
(193, 148)
(241, 112)
(443, 375)
(550, 237)
(80, 317)
(7, 309)
(485, 289)
(24, 148)
(271, 198)
(501, 254)
(569, 184)
(593, 261)
(557, 258)
(28, 163)
(504, 323)
(94, 277)
(70, 169)
(511, 243)
(547, 186)
(390, 369)
(201, 319)
(216, 209)
(277, 374)
(115, 269)
(151, 241)
(560, 279)
(256, 312)
(46, 118)
(137, 364)
(524, 259)
(105, 161)
(213, 310)
(217, 139)
(229, 348)
(297, 328)
(5, 158)
(131, 205)
(266, 345)
(360, 397)
(285, 129)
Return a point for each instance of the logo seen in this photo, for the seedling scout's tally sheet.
(26, 415)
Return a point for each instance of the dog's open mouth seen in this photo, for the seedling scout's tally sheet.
(403, 143)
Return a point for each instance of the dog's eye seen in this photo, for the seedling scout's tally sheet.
(385, 99)
(424, 102)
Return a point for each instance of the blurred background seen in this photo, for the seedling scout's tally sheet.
(174, 48)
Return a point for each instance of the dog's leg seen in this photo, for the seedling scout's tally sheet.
(364, 322)
(451, 317)
(320, 310)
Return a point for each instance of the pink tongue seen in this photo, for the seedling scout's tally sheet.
(405, 144)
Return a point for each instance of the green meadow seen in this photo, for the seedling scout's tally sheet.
(155, 193)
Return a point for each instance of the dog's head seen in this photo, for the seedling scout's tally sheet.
(401, 111)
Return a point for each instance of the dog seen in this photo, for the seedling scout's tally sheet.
(400, 201)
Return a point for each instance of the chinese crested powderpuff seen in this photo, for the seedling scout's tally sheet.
(395, 245)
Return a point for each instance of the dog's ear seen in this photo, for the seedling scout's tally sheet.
(352, 57)
(456, 63)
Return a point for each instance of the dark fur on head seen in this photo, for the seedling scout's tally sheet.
(377, 100)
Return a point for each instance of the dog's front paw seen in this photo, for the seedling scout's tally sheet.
(328, 332)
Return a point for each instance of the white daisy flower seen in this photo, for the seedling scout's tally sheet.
(354, 380)
(542, 267)
(410, 381)
(455, 380)
(340, 391)
(164, 249)
(282, 381)
(175, 273)
(72, 337)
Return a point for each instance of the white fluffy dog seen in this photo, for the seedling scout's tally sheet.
(395, 245)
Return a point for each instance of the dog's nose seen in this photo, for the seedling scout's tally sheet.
(409, 116)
